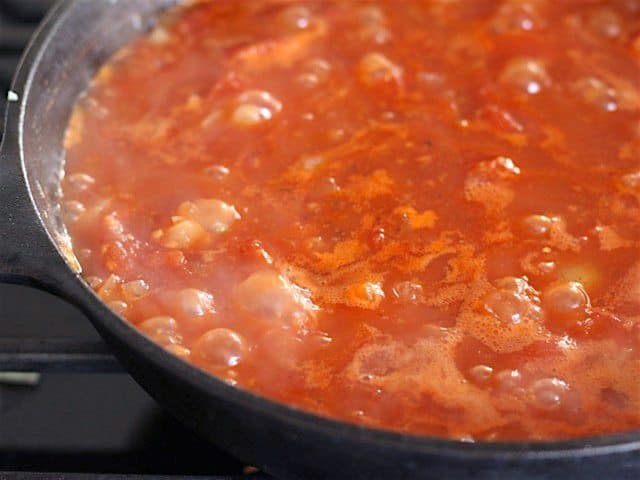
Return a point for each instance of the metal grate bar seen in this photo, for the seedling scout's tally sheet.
(56, 355)
(85, 476)
(18, 20)
(24, 11)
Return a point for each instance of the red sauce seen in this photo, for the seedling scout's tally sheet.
(424, 219)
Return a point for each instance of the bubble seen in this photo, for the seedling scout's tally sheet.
(566, 301)
(480, 373)
(526, 74)
(214, 215)
(375, 68)
(270, 296)
(220, 348)
(514, 284)
(510, 307)
(537, 225)
(217, 172)
(507, 380)
(255, 107)
(183, 234)
(500, 167)
(247, 115)
(549, 393)
(162, 330)
(513, 301)
(192, 302)
(546, 267)
(594, 91)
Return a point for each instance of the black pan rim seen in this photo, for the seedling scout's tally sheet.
(127, 334)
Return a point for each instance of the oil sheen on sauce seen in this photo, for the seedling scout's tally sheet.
(424, 219)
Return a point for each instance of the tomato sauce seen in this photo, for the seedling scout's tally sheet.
(421, 216)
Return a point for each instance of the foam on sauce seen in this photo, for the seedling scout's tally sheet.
(423, 219)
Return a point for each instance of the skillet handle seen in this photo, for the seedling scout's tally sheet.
(28, 255)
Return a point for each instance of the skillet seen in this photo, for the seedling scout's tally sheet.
(73, 41)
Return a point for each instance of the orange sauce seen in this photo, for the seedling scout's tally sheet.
(423, 218)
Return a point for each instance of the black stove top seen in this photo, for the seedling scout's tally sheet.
(90, 424)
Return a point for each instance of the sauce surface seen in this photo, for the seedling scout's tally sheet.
(424, 219)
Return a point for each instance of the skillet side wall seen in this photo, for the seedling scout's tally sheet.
(81, 35)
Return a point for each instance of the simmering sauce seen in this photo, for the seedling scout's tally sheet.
(421, 216)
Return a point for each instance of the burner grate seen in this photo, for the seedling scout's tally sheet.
(56, 355)
(86, 476)
(18, 19)
(26, 362)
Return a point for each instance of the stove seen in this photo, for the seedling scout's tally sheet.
(67, 410)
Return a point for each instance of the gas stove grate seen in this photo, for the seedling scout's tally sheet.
(56, 355)
(22, 360)
(18, 19)
(87, 476)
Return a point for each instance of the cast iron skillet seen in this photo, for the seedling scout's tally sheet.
(76, 37)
